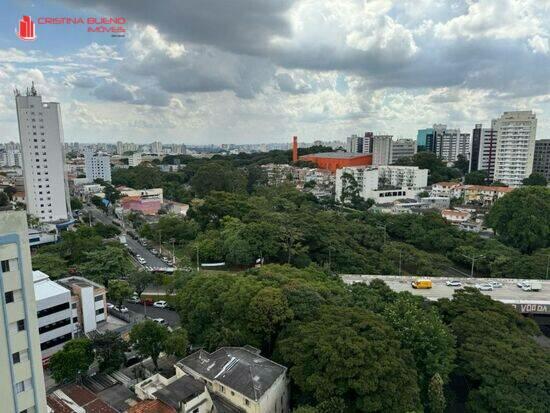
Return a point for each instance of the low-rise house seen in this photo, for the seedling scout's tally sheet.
(455, 216)
(446, 189)
(484, 195)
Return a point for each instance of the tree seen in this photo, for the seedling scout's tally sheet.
(140, 280)
(535, 179)
(73, 361)
(149, 339)
(422, 332)
(177, 343)
(218, 176)
(109, 263)
(10, 191)
(521, 218)
(76, 203)
(352, 354)
(351, 195)
(118, 291)
(476, 178)
(109, 349)
(4, 199)
(436, 395)
(462, 164)
(269, 310)
(50, 263)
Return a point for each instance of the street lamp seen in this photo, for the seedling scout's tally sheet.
(473, 258)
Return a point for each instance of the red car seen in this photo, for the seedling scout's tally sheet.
(146, 301)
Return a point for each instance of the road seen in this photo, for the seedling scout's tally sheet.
(151, 260)
(171, 317)
(509, 293)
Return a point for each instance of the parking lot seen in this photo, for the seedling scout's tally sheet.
(171, 316)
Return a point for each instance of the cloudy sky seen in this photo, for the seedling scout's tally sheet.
(243, 71)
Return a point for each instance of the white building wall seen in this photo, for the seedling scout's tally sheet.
(98, 166)
(381, 150)
(41, 136)
(516, 134)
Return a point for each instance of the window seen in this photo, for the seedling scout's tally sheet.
(21, 325)
(54, 326)
(247, 402)
(20, 387)
(15, 357)
(73, 305)
(56, 341)
(52, 310)
(75, 319)
(223, 389)
(98, 298)
(9, 297)
(100, 311)
(5, 266)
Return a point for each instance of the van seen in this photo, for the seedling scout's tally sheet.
(422, 283)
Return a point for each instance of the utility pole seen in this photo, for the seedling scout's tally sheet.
(198, 264)
(473, 258)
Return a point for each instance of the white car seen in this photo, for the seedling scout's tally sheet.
(134, 299)
(453, 283)
(122, 309)
(160, 321)
(522, 284)
(141, 260)
(484, 287)
(110, 306)
(496, 284)
(160, 304)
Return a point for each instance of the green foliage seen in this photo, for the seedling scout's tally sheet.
(140, 280)
(350, 193)
(177, 343)
(50, 263)
(109, 351)
(106, 231)
(119, 290)
(476, 178)
(148, 339)
(436, 395)
(109, 263)
(73, 361)
(10, 191)
(218, 177)
(353, 354)
(535, 179)
(462, 164)
(521, 218)
(76, 203)
(4, 199)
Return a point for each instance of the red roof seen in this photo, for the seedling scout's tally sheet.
(151, 406)
(81, 396)
(488, 188)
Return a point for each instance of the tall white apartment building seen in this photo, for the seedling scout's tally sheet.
(97, 165)
(41, 135)
(484, 149)
(402, 148)
(156, 147)
(516, 133)
(450, 143)
(134, 159)
(381, 150)
(21, 377)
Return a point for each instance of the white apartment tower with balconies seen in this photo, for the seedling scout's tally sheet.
(21, 377)
(97, 165)
(516, 133)
(41, 137)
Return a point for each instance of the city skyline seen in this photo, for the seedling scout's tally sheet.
(309, 69)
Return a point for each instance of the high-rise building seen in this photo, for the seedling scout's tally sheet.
(402, 148)
(21, 375)
(516, 133)
(381, 150)
(354, 144)
(156, 147)
(134, 159)
(422, 138)
(119, 148)
(484, 148)
(541, 161)
(41, 136)
(98, 166)
(449, 143)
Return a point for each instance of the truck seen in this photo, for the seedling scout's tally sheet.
(422, 283)
(535, 286)
(122, 239)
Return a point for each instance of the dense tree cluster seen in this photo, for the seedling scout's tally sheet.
(354, 348)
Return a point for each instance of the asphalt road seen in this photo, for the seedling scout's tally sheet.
(171, 317)
(508, 293)
(151, 259)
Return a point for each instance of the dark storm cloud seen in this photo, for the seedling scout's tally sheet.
(242, 26)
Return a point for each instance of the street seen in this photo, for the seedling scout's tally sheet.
(151, 260)
(171, 316)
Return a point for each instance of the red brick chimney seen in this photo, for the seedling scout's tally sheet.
(295, 149)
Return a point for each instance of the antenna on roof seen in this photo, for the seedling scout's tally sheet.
(33, 89)
(16, 92)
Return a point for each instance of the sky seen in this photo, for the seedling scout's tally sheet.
(258, 71)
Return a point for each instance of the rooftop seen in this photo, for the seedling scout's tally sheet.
(180, 391)
(69, 282)
(336, 155)
(71, 397)
(46, 288)
(488, 188)
(239, 368)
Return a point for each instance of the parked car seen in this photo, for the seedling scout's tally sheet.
(160, 321)
(453, 283)
(141, 260)
(110, 306)
(484, 287)
(122, 308)
(154, 251)
(160, 304)
(496, 284)
(522, 284)
(134, 299)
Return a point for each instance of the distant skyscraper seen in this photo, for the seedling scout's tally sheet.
(98, 165)
(156, 147)
(41, 135)
(484, 148)
(381, 150)
(541, 162)
(402, 148)
(354, 144)
(422, 139)
(516, 133)
(21, 375)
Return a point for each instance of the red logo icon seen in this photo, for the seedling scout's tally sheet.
(26, 29)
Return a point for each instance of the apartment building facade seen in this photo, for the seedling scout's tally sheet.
(541, 161)
(22, 389)
(97, 166)
(516, 134)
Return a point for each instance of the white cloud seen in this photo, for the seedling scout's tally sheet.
(539, 44)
